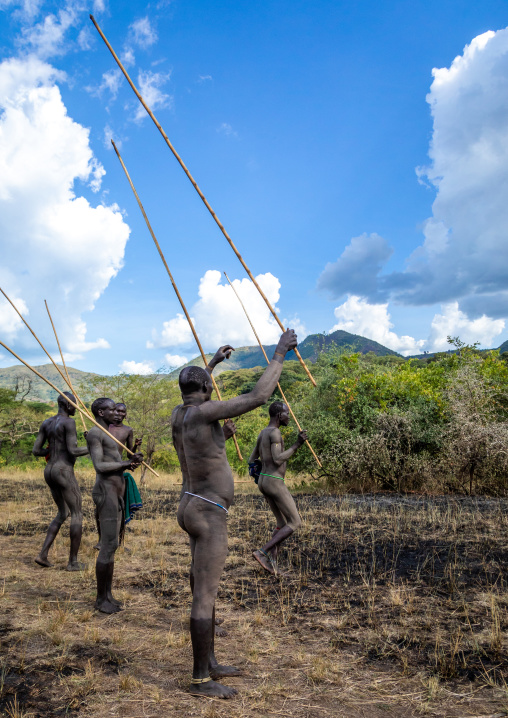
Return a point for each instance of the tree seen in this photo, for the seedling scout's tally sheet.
(149, 400)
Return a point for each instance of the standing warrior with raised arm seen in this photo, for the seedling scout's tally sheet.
(108, 498)
(61, 455)
(208, 492)
(270, 449)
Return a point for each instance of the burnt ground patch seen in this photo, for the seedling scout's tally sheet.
(391, 605)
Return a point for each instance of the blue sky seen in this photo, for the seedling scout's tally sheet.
(307, 125)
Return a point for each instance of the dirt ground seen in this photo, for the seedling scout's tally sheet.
(392, 607)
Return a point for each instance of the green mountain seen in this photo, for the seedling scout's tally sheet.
(310, 349)
(242, 358)
(39, 390)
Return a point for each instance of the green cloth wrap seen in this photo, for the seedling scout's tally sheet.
(132, 497)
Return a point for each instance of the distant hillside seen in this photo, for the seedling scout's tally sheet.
(40, 390)
(242, 358)
(310, 349)
(429, 355)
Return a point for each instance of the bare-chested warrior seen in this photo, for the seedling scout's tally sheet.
(63, 449)
(270, 449)
(108, 498)
(124, 434)
(199, 441)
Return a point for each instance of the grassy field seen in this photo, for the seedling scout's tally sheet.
(392, 607)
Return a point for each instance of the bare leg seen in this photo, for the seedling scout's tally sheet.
(53, 529)
(72, 496)
(288, 520)
(108, 508)
(208, 540)
(219, 632)
(104, 575)
(56, 524)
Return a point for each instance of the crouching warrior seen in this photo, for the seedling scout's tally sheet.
(108, 495)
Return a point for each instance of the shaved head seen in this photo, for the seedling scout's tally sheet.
(192, 379)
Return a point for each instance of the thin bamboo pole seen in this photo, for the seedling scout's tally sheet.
(69, 382)
(191, 324)
(11, 351)
(86, 412)
(268, 361)
(198, 190)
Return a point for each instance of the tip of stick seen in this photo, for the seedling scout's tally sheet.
(92, 17)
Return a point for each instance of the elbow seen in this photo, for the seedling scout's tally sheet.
(259, 397)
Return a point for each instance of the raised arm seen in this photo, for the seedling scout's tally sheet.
(280, 457)
(71, 440)
(221, 354)
(213, 410)
(41, 439)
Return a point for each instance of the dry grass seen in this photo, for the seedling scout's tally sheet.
(392, 606)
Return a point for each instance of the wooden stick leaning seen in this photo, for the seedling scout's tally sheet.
(200, 193)
(268, 361)
(85, 410)
(74, 405)
(64, 364)
(191, 325)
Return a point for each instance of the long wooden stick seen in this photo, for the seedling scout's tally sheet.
(73, 404)
(286, 402)
(85, 410)
(200, 193)
(191, 324)
(69, 382)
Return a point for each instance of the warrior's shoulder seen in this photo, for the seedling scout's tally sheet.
(95, 433)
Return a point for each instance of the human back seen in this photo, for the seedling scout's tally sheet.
(56, 429)
(267, 438)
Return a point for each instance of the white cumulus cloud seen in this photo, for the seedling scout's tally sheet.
(47, 38)
(137, 367)
(464, 254)
(219, 318)
(452, 322)
(10, 322)
(357, 316)
(55, 244)
(174, 361)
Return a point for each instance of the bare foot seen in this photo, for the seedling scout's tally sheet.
(106, 606)
(75, 566)
(220, 632)
(114, 601)
(264, 561)
(43, 562)
(211, 689)
(219, 621)
(219, 671)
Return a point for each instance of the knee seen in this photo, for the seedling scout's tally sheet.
(202, 605)
(76, 517)
(108, 548)
(295, 522)
(61, 516)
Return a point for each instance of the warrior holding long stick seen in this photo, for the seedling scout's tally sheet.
(108, 498)
(199, 441)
